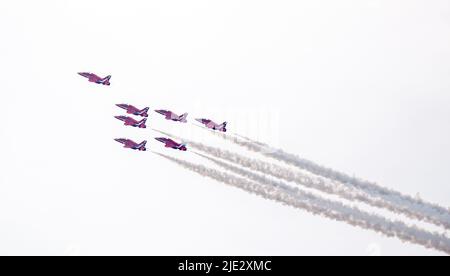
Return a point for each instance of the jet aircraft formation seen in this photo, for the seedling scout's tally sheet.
(143, 113)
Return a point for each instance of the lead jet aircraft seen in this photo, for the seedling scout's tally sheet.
(172, 116)
(94, 78)
(169, 143)
(133, 110)
(211, 125)
(129, 144)
(132, 122)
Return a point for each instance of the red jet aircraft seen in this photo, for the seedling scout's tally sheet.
(169, 143)
(132, 122)
(211, 125)
(94, 78)
(172, 116)
(133, 110)
(132, 145)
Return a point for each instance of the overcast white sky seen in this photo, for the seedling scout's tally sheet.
(360, 86)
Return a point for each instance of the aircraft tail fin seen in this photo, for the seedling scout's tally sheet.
(223, 127)
(142, 145)
(144, 112)
(106, 80)
(183, 118)
(182, 146)
(142, 123)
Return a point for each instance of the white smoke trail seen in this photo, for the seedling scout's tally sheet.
(394, 201)
(324, 207)
(432, 213)
(329, 187)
